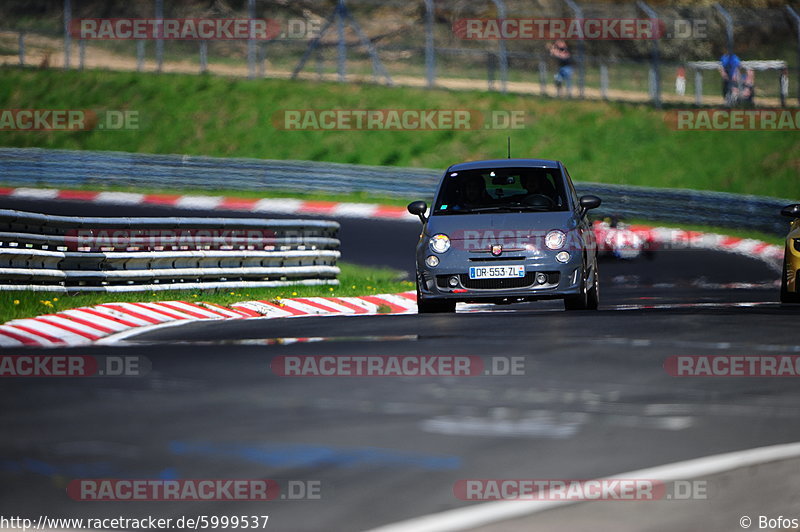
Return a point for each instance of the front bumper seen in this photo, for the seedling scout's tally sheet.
(562, 279)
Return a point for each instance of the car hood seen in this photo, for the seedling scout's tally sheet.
(456, 225)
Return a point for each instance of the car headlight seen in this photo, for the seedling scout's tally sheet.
(555, 239)
(432, 261)
(440, 243)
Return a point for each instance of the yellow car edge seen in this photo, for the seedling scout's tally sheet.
(790, 284)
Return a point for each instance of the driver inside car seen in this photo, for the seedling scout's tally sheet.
(538, 186)
(473, 193)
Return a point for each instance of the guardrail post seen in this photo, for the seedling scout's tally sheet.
(698, 86)
(430, 47)
(140, 55)
(21, 42)
(578, 14)
(159, 39)
(796, 18)
(67, 35)
(251, 43)
(655, 69)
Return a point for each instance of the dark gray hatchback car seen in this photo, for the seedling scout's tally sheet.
(506, 231)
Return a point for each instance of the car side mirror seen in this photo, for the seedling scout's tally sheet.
(418, 208)
(791, 211)
(588, 203)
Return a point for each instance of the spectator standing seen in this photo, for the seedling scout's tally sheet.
(561, 53)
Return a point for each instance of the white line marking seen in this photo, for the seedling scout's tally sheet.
(477, 515)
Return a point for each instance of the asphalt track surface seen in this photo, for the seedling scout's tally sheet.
(594, 399)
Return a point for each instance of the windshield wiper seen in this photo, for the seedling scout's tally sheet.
(510, 208)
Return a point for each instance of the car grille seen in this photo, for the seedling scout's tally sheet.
(499, 284)
(495, 259)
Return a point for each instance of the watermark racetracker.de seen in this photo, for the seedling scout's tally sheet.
(397, 119)
(68, 120)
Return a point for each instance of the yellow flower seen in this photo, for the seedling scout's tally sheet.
(55, 299)
(294, 293)
(16, 301)
(233, 294)
(331, 289)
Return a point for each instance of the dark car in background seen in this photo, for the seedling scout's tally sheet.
(506, 231)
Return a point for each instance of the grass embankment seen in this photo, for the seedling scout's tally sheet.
(205, 115)
(353, 281)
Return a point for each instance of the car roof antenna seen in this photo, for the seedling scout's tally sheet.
(509, 146)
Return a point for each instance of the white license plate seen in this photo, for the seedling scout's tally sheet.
(497, 272)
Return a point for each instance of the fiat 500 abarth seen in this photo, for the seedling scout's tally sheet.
(790, 284)
(506, 231)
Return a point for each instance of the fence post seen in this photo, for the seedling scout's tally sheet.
(796, 18)
(251, 43)
(140, 55)
(159, 39)
(578, 13)
(491, 67)
(604, 81)
(261, 59)
(728, 25)
(81, 53)
(501, 44)
(342, 45)
(542, 77)
(783, 80)
(698, 87)
(430, 47)
(21, 42)
(67, 35)
(655, 69)
(203, 57)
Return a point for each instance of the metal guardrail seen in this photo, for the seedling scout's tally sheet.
(69, 254)
(62, 168)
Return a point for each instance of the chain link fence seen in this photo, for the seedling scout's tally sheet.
(422, 43)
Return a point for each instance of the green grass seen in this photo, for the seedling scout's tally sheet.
(353, 281)
(207, 115)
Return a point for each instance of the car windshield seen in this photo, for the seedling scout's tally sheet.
(502, 189)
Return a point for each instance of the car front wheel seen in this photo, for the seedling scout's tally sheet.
(588, 298)
(434, 307)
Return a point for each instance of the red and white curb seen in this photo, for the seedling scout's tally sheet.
(88, 325)
(254, 205)
(671, 239)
